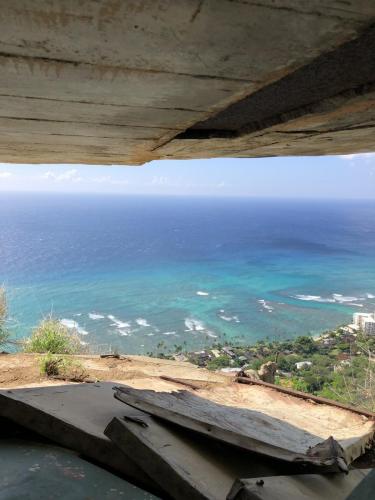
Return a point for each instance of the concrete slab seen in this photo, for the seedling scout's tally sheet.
(74, 416)
(161, 66)
(35, 471)
(187, 465)
(358, 485)
(340, 125)
(262, 420)
(218, 38)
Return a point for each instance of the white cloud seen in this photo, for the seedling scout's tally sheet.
(5, 175)
(159, 181)
(69, 175)
(364, 161)
(107, 179)
(122, 182)
(366, 157)
(102, 179)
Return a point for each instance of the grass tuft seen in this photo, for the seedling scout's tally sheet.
(50, 336)
(62, 367)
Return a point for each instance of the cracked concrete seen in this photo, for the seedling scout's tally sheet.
(126, 82)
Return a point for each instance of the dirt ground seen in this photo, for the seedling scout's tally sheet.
(21, 370)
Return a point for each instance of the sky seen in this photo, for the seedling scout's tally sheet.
(351, 176)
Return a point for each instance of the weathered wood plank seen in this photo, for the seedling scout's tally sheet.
(248, 429)
(184, 464)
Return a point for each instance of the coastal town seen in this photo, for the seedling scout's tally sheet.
(338, 364)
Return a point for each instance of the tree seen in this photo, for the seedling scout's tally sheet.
(305, 345)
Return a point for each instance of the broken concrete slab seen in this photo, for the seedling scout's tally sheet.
(75, 416)
(360, 484)
(184, 464)
(259, 431)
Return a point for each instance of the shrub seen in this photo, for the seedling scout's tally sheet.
(305, 345)
(287, 363)
(4, 335)
(49, 365)
(53, 337)
(220, 362)
(62, 367)
(354, 384)
(298, 384)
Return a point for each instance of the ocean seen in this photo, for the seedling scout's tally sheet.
(132, 272)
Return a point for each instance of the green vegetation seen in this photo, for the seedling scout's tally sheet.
(340, 364)
(4, 334)
(62, 367)
(50, 336)
(222, 361)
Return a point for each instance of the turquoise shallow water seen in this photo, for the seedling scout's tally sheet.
(132, 272)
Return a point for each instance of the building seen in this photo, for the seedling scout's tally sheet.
(303, 364)
(329, 342)
(369, 327)
(359, 319)
(228, 351)
(352, 328)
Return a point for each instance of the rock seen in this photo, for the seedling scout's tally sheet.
(267, 372)
(249, 373)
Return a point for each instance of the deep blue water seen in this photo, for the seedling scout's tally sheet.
(263, 268)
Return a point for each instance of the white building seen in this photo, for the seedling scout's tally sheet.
(303, 364)
(369, 327)
(359, 319)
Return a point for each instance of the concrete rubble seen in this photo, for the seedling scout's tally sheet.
(228, 436)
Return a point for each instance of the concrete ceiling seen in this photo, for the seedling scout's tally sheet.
(125, 82)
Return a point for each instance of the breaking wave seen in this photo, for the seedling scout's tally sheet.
(265, 305)
(194, 325)
(142, 322)
(117, 323)
(69, 323)
(224, 317)
(335, 298)
(73, 325)
(96, 316)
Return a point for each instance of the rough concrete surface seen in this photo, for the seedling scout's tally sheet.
(115, 82)
(47, 469)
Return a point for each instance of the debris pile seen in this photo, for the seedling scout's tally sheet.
(228, 441)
